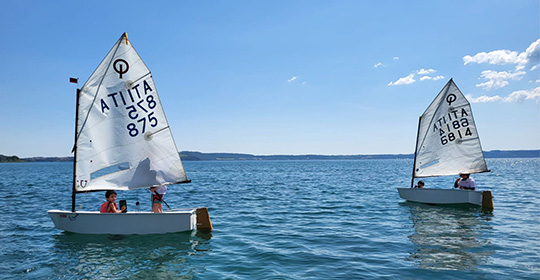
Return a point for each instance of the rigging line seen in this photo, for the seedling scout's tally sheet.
(142, 77)
(162, 129)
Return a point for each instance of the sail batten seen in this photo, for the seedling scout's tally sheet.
(121, 121)
(448, 142)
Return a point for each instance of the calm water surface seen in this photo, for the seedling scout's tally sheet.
(282, 220)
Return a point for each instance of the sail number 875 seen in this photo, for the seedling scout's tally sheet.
(142, 115)
(451, 136)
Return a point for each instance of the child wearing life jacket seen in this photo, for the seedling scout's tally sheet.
(157, 198)
(109, 206)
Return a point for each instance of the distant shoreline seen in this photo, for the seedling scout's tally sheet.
(198, 156)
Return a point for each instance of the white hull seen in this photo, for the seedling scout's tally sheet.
(442, 196)
(93, 222)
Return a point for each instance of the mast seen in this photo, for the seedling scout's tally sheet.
(415, 149)
(73, 191)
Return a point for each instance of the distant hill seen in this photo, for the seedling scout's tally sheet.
(193, 156)
(10, 159)
(512, 154)
(189, 155)
(48, 159)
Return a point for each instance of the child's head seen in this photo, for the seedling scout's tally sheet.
(421, 183)
(110, 195)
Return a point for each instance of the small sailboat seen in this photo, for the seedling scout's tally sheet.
(123, 142)
(447, 143)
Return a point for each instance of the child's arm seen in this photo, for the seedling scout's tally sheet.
(112, 208)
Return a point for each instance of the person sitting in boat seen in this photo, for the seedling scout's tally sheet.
(420, 184)
(157, 198)
(109, 206)
(465, 182)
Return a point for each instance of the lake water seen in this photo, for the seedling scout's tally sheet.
(282, 220)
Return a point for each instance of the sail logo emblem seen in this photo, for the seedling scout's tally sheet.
(120, 66)
(83, 183)
(450, 98)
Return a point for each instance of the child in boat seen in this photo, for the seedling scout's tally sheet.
(465, 182)
(420, 184)
(109, 206)
(157, 198)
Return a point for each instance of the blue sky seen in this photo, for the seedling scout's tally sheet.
(278, 77)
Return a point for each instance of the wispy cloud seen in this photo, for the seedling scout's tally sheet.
(404, 81)
(516, 96)
(501, 57)
(296, 80)
(521, 95)
(483, 98)
(378, 65)
(396, 58)
(423, 78)
(499, 79)
(425, 71)
(495, 79)
(421, 72)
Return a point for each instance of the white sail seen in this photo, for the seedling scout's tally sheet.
(123, 139)
(448, 142)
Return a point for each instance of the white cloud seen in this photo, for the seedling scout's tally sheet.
(404, 81)
(423, 78)
(499, 79)
(495, 79)
(516, 96)
(483, 99)
(292, 79)
(425, 72)
(520, 95)
(378, 64)
(421, 72)
(502, 57)
(396, 58)
(494, 57)
(532, 53)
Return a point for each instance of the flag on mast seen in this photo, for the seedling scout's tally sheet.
(74, 80)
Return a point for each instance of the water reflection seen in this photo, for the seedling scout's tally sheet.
(449, 238)
(166, 256)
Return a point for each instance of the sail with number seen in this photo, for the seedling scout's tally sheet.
(123, 140)
(447, 141)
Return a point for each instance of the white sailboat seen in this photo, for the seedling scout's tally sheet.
(123, 142)
(447, 144)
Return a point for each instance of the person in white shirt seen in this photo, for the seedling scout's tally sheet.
(465, 182)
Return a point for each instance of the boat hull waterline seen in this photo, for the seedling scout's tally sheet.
(446, 196)
(94, 222)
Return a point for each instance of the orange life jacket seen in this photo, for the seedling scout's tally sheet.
(104, 206)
